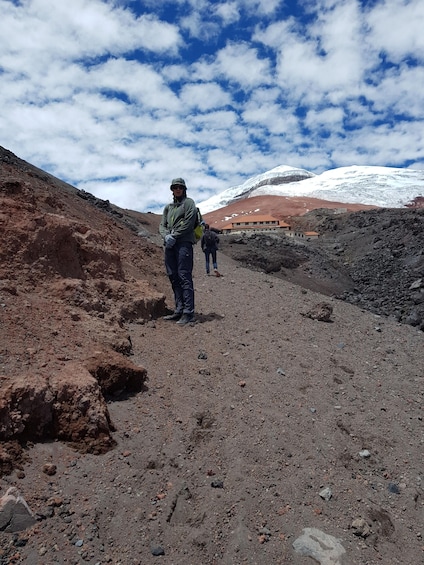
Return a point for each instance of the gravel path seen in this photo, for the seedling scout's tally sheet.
(257, 422)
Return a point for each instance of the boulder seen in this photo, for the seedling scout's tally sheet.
(15, 514)
(69, 405)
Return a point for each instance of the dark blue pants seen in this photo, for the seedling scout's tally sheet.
(208, 252)
(179, 268)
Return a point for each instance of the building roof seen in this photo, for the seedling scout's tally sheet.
(254, 227)
(256, 219)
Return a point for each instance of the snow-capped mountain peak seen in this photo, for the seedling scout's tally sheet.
(376, 186)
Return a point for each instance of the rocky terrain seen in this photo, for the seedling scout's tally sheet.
(372, 258)
(284, 426)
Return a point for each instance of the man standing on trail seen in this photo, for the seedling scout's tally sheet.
(177, 229)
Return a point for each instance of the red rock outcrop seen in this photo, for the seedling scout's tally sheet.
(73, 272)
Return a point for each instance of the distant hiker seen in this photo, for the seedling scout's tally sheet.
(209, 243)
(177, 229)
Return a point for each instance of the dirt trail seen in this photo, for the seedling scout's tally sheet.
(248, 415)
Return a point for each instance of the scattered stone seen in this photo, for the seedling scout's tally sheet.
(326, 494)
(75, 316)
(20, 542)
(15, 514)
(416, 284)
(365, 454)
(393, 488)
(55, 501)
(361, 528)
(320, 312)
(325, 549)
(49, 469)
(202, 355)
(157, 551)
(217, 484)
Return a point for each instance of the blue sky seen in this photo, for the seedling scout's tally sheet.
(119, 97)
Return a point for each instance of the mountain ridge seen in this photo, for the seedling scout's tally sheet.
(375, 186)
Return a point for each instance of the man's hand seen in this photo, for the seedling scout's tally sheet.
(169, 241)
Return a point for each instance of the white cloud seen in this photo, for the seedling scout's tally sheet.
(204, 96)
(43, 31)
(198, 27)
(368, 145)
(174, 73)
(324, 58)
(228, 12)
(141, 83)
(215, 129)
(266, 7)
(272, 117)
(327, 118)
(397, 28)
(397, 92)
(237, 63)
(240, 63)
(94, 91)
(222, 119)
(247, 161)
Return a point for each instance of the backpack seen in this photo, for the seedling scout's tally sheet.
(209, 239)
(198, 226)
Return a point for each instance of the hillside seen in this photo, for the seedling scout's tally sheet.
(283, 425)
(371, 258)
(287, 208)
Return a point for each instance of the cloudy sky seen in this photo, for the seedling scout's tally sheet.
(118, 97)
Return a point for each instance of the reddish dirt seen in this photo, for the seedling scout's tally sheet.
(280, 207)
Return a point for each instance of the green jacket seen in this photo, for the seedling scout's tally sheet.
(179, 218)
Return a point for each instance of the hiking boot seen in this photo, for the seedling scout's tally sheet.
(185, 319)
(217, 274)
(173, 317)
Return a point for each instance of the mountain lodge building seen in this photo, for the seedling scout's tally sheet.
(255, 223)
(258, 223)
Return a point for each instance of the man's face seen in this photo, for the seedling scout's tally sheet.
(177, 190)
